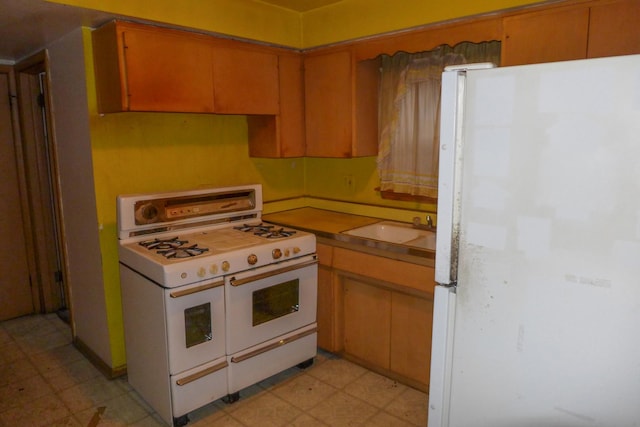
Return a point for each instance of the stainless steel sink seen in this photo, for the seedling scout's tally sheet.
(396, 232)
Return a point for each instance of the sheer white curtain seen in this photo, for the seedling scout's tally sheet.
(409, 110)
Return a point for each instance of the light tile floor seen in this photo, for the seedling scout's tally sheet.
(45, 381)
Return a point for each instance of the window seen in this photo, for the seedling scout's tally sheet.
(409, 116)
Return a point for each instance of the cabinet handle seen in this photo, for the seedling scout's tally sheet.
(125, 76)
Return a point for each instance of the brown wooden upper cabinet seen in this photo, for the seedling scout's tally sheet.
(547, 36)
(245, 81)
(591, 30)
(341, 102)
(614, 29)
(145, 68)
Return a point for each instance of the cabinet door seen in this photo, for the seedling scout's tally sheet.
(554, 35)
(281, 135)
(367, 314)
(614, 29)
(328, 104)
(167, 71)
(245, 81)
(411, 323)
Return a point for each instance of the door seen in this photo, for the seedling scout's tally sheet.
(270, 301)
(546, 314)
(15, 288)
(195, 324)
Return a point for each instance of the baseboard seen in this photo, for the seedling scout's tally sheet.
(96, 361)
(386, 372)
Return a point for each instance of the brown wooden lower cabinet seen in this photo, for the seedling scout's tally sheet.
(377, 312)
(411, 323)
(367, 321)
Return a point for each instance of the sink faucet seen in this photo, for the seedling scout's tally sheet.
(418, 224)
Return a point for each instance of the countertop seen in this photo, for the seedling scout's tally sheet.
(329, 225)
(319, 220)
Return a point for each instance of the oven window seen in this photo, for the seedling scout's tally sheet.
(275, 301)
(197, 324)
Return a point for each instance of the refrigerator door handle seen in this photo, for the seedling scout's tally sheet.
(452, 102)
(450, 169)
(441, 356)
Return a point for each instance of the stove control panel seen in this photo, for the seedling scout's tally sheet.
(226, 266)
(186, 267)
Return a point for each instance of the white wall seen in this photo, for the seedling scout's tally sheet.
(80, 221)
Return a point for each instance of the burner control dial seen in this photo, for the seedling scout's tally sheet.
(213, 268)
(225, 266)
(252, 259)
(286, 252)
(201, 272)
(276, 253)
(296, 249)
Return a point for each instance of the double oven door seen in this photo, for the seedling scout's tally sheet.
(196, 343)
(269, 302)
(195, 324)
(271, 320)
(175, 341)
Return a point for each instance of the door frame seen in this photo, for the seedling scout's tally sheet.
(41, 184)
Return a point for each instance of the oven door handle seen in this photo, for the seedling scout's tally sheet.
(237, 282)
(190, 291)
(210, 370)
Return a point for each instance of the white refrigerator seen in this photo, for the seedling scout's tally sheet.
(537, 308)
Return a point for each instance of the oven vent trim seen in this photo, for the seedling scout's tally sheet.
(181, 226)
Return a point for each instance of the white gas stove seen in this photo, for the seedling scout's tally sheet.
(226, 299)
(184, 237)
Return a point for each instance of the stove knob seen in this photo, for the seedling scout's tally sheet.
(225, 266)
(202, 272)
(286, 252)
(296, 250)
(213, 268)
(252, 259)
(276, 253)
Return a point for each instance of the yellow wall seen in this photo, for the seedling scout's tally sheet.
(256, 20)
(147, 152)
(205, 150)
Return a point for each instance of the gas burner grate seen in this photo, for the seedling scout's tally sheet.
(173, 248)
(171, 243)
(266, 231)
(183, 251)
